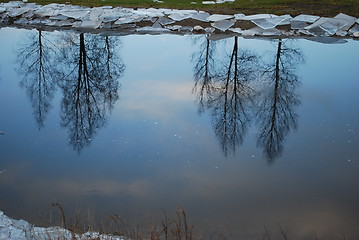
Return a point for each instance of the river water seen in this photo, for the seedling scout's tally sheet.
(249, 136)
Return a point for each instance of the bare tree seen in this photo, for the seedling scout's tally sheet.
(36, 62)
(276, 116)
(90, 85)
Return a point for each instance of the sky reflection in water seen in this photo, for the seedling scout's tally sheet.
(241, 133)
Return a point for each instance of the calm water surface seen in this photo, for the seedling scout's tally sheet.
(244, 134)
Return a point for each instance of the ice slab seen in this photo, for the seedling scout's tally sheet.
(256, 16)
(77, 14)
(198, 28)
(298, 25)
(174, 27)
(91, 24)
(63, 23)
(268, 23)
(47, 12)
(13, 4)
(96, 13)
(219, 17)
(58, 18)
(16, 12)
(22, 21)
(209, 30)
(178, 16)
(201, 16)
(109, 19)
(186, 29)
(165, 21)
(208, 2)
(2, 9)
(148, 12)
(262, 32)
(350, 21)
(286, 19)
(306, 18)
(152, 30)
(157, 25)
(354, 31)
(223, 25)
(223, 1)
(236, 30)
(238, 16)
(328, 26)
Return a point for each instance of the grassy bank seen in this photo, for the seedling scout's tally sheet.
(294, 7)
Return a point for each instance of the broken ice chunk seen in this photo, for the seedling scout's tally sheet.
(298, 25)
(219, 17)
(186, 29)
(198, 28)
(268, 23)
(256, 16)
(238, 15)
(63, 23)
(174, 27)
(262, 32)
(209, 30)
(108, 19)
(354, 31)
(152, 30)
(2, 9)
(236, 30)
(223, 25)
(77, 14)
(306, 18)
(45, 12)
(165, 21)
(208, 2)
(286, 19)
(126, 20)
(91, 24)
(201, 16)
(58, 17)
(178, 17)
(96, 13)
(327, 26)
(16, 12)
(21, 21)
(350, 21)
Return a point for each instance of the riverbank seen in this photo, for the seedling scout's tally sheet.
(22, 230)
(122, 21)
(325, 8)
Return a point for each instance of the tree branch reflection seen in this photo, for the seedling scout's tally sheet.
(229, 95)
(36, 63)
(91, 88)
(276, 116)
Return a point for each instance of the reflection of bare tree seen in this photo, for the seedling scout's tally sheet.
(39, 74)
(91, 88)
(204, 71)
(276, 116)
(230, 96)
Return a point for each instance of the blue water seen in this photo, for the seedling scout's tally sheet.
(147, 124)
